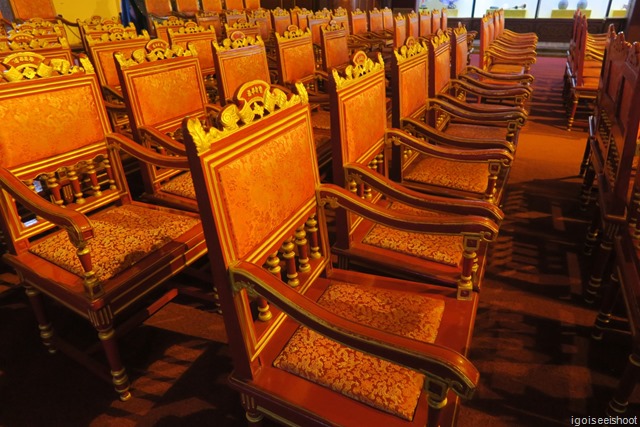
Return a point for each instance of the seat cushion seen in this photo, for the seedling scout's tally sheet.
(433, 247)
(122, 236)
(463, 130)
(365, 378)
(453, 174)
(180, 185)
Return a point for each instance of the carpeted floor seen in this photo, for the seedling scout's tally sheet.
(531, 342)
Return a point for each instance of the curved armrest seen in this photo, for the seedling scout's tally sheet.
(77, 224)
(416, 199)
(157, 137)
(424, 131)
(515, 88)
(67, 22)
(510, 57)
(146, 155)
(117, 108)
(474, 107)
(430, 359)
(521, 78)
(500, 118)
(397, 136)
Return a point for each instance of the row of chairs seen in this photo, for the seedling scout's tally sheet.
(612, 172)
(160, 86)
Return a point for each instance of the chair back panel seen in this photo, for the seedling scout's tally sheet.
(460, 49)
(440, 64)
(234, 4)
(399, 30)
(188, 6)
(358, 112)
(201, 40)
(316, 24)
(296, 58)
(409, 71)
(101, 54)
(413, 25)
(158, 7)
(239, 63)
(252, 4)
(358, 22)
(387, 19)
(212, 5)
(376, 24)
(485, 40)
(335, 46)
(162, 92)
(425, 23)
(444, 20)
(436, 22)
(281, 20)
(27, 9)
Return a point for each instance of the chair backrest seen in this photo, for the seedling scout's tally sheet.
(316, 22)
(97, 26)
(617, 103)
(334, 46)
(409, 76)
(201, 40)
(101, 52)
(425, 23)
(413, 25)
(295, 56)
(162, 27)
(239, 59)
(69, 168)
(161, 86)
(281, 19)
(27, 9)
(459, 50)
(234, 4)
(262, 18)
(249, 213)
(341, 15)
(187, 6)
(24, 42)
(212, 5)
(436, 21)
(300, 17)
(485, 39)
(359, 23)
(249, 29)
(234, 15)
(498, 22)
(399, 30)
(439, 64)
(444, 20)
(376, 22)
(41, 29)
(158, 7)
(387, 19)
(252, 4)
(208, 19)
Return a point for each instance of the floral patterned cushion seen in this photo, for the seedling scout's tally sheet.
(463, 130)
(441, 248)
(181, 185)
(122, 236)
(362, 377)
(449, 173)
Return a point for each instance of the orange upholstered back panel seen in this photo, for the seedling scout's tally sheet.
(365, 119)
(298, 61)
(166, 92)
(187, 5)
(442, 68)
(103, 60)
(257, 197)
(240, 68)
(212, 5)
(413, 87)
(462, 50)
(44, 118)
(359, 24)
(27, 9)
(234, 4)
(336, 52)
(158, 7)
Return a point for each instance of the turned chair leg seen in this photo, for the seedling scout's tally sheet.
(572, 112)
(609, 297)
(107, 335)
(620, 401)
(37, 305)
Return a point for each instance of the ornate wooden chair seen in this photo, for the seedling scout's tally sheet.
(378, 29)
(359, 144)
(247, 28)
(101, 51)
(300, 17)
(296, 65)
(262, 18)
(186, 8)
(162, 27)
(276, 262)
(502, 33)
(38, 13)
(252, 4)
(239, 59)
(23, 42)
(73, 231)
(340, 15)
(614, 156)
(98, 26)
(498, 59)
(210, 16)
(157, 12)
(425, 23)
(413, 25)
(482, 170)
(334, 46)
(161, 86)
(234, 4)
(436, 21)
(201, 40)
(281, 19)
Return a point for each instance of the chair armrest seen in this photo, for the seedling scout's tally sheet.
(522, 78)
(152, 135)
(513, 89)
(514, 119)
(146, 155)
(518, 94)
(118, 108)
(446, 148)
(67, 22)
(432, 360)
(416, 199)
(500, 56)
(75, 223)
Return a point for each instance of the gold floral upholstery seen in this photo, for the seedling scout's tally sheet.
(447, 173)
(355, 374)
(122, 236)
(440, 248)
(476, 131)
(181, 185)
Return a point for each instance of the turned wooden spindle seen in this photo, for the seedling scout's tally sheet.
(311, 226)
(290, 262)
(273, 265)
(380, 165)
(353, 186)
(54, 187)
(75, 186)
(107, 167)
(469, 261)
(303, 252)
(93, 177)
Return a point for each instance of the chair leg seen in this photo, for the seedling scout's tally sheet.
(572, 113)
(600, 264)
(107, 335)
(37, 305)
(609, 298)
(585, 159)
(587, 187)
(620, 401)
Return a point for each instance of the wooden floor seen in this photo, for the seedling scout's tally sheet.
(531, 343)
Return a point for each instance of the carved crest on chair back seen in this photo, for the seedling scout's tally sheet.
(361, 66)
(30, 65)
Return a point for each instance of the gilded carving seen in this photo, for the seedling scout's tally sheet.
(440, 38)
(239, 285)
(256, 99)
(29, 65)
(293, 32)
(410, 49)
(361, 66)
(237, 40)
(155, 50)
(334, 26)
